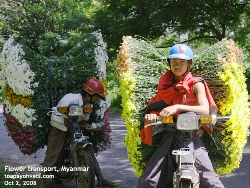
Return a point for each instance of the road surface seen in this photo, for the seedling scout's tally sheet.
(114, 163)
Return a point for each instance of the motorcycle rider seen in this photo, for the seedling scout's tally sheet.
(178, 91)
(91, 93)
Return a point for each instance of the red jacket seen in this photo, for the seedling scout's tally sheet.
(168, 94)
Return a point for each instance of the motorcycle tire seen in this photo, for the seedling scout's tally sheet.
(56, 181)
(85, 179)
(186, 184)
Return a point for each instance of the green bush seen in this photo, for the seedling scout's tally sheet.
(247, 75)
(114, 95)
(1, 94)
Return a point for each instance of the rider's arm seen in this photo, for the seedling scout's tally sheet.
(66, 123)
(84, 125)
(98, 125)
(201, 108)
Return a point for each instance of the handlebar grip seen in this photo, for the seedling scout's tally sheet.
(151, 124)
(223, 118)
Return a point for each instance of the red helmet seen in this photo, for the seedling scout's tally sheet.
(94, 86)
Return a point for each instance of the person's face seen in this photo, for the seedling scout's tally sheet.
(179, 66)
(95, 99)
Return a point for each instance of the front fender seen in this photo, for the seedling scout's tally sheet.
(83, 144)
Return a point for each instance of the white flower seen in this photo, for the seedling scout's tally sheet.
(104, 105)
(101, 56)
(15, 70)
(25, 116)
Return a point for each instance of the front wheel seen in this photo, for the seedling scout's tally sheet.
(185, 184)
(86, 173)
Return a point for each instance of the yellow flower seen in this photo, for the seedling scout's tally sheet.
(15, 99)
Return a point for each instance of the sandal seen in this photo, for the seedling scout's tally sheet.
(107, 184)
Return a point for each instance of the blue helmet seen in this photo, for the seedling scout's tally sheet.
(181, 51)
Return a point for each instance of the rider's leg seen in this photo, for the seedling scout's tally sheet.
(159, 170)
(100, 178)
(56, 142)
(98, 172)
(208, 177)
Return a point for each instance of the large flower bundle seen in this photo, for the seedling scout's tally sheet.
(32, 82)
(221, 67)
(139, 66)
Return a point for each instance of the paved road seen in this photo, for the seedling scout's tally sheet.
(114, 162)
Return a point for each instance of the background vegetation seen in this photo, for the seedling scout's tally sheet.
(52, 27)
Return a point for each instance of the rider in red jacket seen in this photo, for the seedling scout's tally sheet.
(178, 91)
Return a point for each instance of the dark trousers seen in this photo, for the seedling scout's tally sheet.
(159, 170)
(57, 140)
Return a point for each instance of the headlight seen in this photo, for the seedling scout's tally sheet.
(75, 110)
(187, 122)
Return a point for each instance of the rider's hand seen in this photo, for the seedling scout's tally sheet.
(168, 111)
(94, 127)
(151, 118)
(85, 126)
(98, 126)
(200, 132)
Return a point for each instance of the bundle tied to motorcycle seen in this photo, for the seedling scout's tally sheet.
(31, 82)
(139, 66)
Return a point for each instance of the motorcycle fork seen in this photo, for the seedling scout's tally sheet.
(186, 139)
(75, 145)
(185, 158)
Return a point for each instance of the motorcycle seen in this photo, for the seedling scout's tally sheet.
(77, 162)
(186, 175)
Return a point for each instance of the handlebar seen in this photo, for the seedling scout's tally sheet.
(70, 110)
(218, 118)
(223, 118)
(47, 109)
(156, 123)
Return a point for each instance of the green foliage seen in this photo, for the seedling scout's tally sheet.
(1, 93)
(247, 75)
(113, 88)
(201, 21)
(53, 27)
(48, 27)
(139, 66)
(113, 92)
(56, 76)
(116, 100)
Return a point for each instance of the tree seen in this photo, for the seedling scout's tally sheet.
(52, 26)
(49, 27)
(204, 20)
